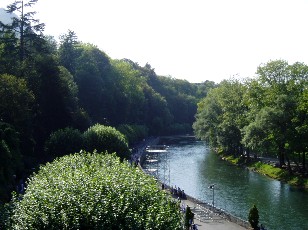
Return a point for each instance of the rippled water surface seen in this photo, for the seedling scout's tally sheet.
(193, 168)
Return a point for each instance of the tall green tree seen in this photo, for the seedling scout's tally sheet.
(68, 51)
(129, 97)
(208, 118)
(16, 108)
(92, 76)
(222, 115)
(11, 166)
(26, 27)
(9, 53)
(16, 101)
(274, 99)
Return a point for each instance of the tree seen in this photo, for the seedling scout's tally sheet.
(68, 51)
(253, 217)
(157, 113)
(129, 98)
(106, 138)
(63, 142)
(207, 119)
(56, 97)
(96, 89)
(222, 115)
(16, 108)
(16, 102)
(274, 100)
(8, 53)
(28, 29)
(11, 160)
(93, 191)
(133, 133)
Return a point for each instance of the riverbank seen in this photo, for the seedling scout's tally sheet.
(206, 217)
(266, 168)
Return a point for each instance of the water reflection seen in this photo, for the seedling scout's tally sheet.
(193, 168)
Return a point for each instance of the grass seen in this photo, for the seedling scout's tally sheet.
(279, 174)
(271, 171)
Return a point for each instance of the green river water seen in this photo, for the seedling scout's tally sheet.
(193, 168)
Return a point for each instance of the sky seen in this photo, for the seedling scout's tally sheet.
(196, 40)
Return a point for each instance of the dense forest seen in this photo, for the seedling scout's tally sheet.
(60, 90)
(53, 89)
(263, 116)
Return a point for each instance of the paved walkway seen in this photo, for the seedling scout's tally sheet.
(204, 222)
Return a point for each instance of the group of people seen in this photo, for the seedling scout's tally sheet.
(178, 192)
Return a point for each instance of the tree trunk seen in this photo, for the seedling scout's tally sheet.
(281, 156)
(304, 161)
(289, 165)
(22, 41)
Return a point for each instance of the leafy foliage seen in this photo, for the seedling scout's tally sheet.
(133, 133)
(264, 115)
(15, 101)
(24, 26)
(10, 158)
(253, 217)
(46, 87)
(93, 191)
(221, 116)
(106, 138)
(64, 141)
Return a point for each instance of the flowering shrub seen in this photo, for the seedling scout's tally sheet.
(93, 191)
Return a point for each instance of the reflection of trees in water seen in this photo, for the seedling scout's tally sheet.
(194, 168)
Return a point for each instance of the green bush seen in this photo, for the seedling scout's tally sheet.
(133, 133)
(253, 217)
(106, 138)
(11, 160)
(64, 141)
(93, 191)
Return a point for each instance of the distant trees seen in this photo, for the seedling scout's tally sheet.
(133, 133)
(221, 116)
(68, 51)
(92, 191)
(264, 115)
(50, 90)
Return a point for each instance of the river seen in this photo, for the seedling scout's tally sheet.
(190, 165)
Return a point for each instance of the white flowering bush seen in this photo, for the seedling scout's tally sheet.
(93, 191)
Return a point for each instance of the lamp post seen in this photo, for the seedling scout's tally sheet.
(212, 187)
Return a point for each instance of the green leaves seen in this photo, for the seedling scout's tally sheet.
(222, 115)
(15, 100)
(106, 138)
(266, 115)
(93, 191)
